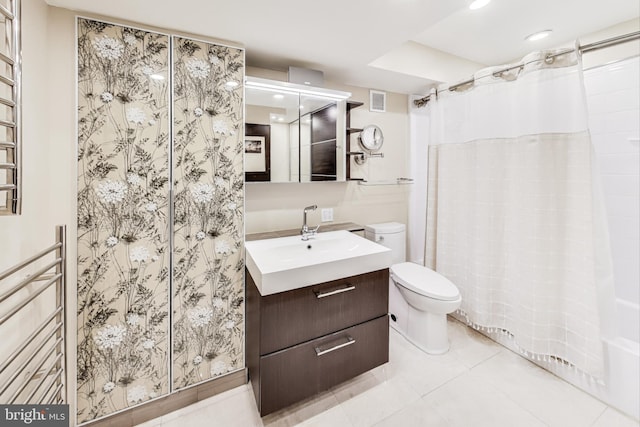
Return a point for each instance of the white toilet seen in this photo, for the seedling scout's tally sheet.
(419, 298)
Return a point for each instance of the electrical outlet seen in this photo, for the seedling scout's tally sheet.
(327, 214)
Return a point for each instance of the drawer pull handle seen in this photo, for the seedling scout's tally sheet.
(334, 292)
(320, 352)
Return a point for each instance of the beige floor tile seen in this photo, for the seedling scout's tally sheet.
(470, 346)
(356, 386)
(424, 372)
(235, 408)
(203, 404)
(151, 423)
(477, 383)
(469, 401)
(551, 399)
(417, 414)
(334, 417)
(610, 418)
(302, 412)
(370, 401)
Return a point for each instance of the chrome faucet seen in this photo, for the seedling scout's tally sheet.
(306, 231)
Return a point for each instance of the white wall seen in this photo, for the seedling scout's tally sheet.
(44, 164)
(272, 206)
(613, 96)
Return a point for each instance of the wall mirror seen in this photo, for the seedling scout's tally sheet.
(294, 133)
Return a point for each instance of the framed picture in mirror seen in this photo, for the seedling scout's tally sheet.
(257, 149)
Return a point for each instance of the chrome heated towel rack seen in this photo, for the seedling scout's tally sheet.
(32, 328)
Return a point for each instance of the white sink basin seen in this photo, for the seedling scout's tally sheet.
(286, 263)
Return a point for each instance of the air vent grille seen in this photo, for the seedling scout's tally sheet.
(377, 101)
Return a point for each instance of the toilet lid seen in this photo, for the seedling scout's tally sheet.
(424, 281)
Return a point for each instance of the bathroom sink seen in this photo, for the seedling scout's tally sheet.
(286, 263)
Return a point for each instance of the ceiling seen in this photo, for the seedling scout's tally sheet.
(403, 46)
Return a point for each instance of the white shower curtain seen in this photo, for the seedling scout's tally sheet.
(512, 216)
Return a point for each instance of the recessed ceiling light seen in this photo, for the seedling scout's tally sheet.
(538, 36)
(278, 96)
(477, 4)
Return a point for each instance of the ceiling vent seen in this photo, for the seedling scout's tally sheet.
(377, 101)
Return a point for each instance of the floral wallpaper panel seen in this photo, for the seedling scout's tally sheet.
(208, 284)
(123, 217)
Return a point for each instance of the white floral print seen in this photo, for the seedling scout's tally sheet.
(200, 235)
(134, 179)
(198, 112)
(200, 316)
(106, 97)
(202, 192)
(151, 207)
(213, 59)
(108, 48)
(197, 68)
(218, 302)
(111, 192)
(132, 319)
(129, 39)
(139, 254)
(197, 360)
(218, 368)
(147, 70)
(136, 115)
(111, 241)
(222, 247)
(110, 336)
(148, 344)
(219, 181)
(108, 387)
(137, 394)
(229, 324)
(232, 206)
(220, 126)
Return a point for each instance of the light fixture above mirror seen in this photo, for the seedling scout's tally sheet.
(293, 132)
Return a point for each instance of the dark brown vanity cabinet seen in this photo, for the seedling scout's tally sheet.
(307, 340)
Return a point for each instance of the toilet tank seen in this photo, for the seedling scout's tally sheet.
(393, 235)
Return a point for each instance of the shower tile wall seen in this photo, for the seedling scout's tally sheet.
(613, 96)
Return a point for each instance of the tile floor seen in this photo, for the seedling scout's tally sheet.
(477, 383)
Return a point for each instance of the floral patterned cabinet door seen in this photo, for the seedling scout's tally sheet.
(123, 217)
(208, 286)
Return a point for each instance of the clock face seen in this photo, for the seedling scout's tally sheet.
(371, 138)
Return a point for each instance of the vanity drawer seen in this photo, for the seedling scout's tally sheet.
(296, 373)
(300, 315)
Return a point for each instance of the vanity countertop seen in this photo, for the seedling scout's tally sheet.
(349, 226)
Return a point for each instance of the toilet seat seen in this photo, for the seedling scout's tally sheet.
(424, 281)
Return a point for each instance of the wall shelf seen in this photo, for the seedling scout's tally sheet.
(349, 131)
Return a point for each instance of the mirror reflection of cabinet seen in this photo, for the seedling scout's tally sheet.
(306, 132)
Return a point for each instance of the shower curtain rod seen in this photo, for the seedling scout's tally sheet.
(582, 49)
